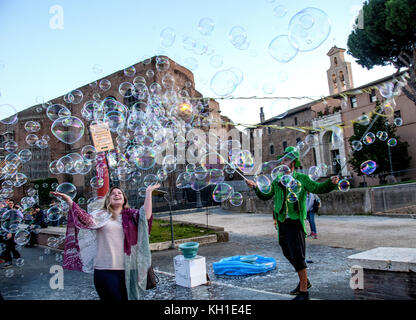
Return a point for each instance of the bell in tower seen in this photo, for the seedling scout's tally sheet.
(339, 73)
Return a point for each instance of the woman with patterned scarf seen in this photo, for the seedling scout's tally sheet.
(112, 242)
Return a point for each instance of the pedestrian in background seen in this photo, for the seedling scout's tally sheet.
(313, 203)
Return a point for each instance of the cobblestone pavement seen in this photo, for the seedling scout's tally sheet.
(328, 268)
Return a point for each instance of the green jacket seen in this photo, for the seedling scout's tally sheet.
(288, 208)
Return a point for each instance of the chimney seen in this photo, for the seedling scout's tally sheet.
(261, 115)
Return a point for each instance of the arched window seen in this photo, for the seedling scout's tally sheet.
(271, 149)
(335, 61)
(334, 80)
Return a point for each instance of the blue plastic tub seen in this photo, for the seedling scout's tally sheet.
(244, 265)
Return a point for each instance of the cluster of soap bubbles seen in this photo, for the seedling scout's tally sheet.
(387, 90)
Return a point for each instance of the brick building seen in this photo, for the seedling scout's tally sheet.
(160, 73)
(345, 103)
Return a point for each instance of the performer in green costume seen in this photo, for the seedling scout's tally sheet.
(290, 214)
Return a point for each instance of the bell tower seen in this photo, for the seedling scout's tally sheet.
(339, 73)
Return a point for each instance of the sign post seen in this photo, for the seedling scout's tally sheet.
(102, 140)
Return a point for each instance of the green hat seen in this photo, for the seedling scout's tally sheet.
(293, 154)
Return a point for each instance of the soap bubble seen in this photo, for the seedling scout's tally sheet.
(236, 199)
(200, 172)
(314, 173)
(309, 28)
(53, 214)
(368, 167)
(150, 179)
(10, 220)
(224, 82)
(244, 161)
(386, 89)
(20, 262)
(344, 185)
(292, 197)
(32, 126)
(238, 37)
(222, 192)
(310, 140)
(68, 129)
(216, 176)
(11, 146)
(206, 26)
(294, 186)
(129, 71)
(183, 180)
(68, 189)
(162, 174)
(363, 120)
(167, 37)
(280, 11)
(263, 183)
(9, 273)
(74, 97)
(382, 135)
(282, 49)
(22, 237)
(398, 122)
(104, 85)
(162, 64)
(216, 61)
(303, 148)
(56, 111)
(8, 114)
(96, 182)
(356, 145)
(279, 171)
(268, 88)
(145, 159)
(89, 153)
(286, 180)
(25, 155)
(369, 138)
(392, 142)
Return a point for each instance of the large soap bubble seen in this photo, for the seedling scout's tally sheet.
(68, 129)
(8, 114)
(224, 82)
(56, 111)
(368, 167)
(67, 188)
(282, 49)
(309, 28)
(222, 192)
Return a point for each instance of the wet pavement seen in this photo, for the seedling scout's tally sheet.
(328, 273)
(328, 270)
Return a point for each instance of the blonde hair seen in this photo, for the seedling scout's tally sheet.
(107, 205)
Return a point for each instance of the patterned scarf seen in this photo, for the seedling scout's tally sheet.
(81, 246)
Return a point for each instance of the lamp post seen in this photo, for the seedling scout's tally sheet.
(167, 198)
(198, 199)
(389, 152)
